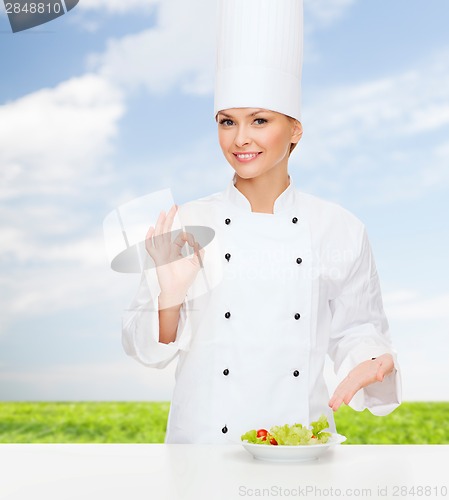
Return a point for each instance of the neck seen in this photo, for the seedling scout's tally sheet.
(262, 191)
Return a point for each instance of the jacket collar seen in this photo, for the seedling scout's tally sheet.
(283, 202)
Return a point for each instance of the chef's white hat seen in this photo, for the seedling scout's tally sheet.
(259, 55)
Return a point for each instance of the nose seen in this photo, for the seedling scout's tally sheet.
(241, 136)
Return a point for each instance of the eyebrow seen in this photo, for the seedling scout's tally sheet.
(251, 114)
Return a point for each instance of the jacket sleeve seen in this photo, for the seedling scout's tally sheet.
(360, 332)
(140, 327)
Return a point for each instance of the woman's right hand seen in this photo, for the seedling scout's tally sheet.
(174, 271)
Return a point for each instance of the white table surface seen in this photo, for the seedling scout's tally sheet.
(197, 472)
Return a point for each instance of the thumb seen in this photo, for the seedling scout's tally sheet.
(201, 252)
(380, 373)
(198, 253)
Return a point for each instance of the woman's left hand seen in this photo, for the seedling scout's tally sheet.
(364, 374)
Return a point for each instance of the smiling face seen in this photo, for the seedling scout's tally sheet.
(255, 141)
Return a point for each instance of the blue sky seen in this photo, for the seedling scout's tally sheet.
(115, 100)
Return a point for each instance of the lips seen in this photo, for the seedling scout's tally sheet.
(247, 156)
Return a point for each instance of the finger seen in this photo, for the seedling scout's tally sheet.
(196, 254)
(335, 402)
(190, 239)
(200, 254)
(349, 395)
(336, 405)
(159, 224)
(339, 392)
(167, 226)
(346, 390)
(180, 240)
(342, 397)
(388, 363)
(385, 367)
(150, 233)
(149, 246)
(177, 246)
(168, 223)
(149, 243)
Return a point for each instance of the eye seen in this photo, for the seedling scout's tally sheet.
(260, 121)
(226, 122)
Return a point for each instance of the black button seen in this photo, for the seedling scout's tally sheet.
(228, 256)
(298, 260)
(227, 221)
(295, 220)
(296, 373)
(227, 315)
(297, 316)
(224, 430)
(226, 372)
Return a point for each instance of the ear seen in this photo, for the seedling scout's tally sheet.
(296, 131)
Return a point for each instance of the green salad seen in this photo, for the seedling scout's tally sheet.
(292, 435)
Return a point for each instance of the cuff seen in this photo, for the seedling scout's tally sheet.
(141, 336)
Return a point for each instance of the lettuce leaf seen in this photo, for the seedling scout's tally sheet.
(319, 425)
(293, 435)
(251, 437)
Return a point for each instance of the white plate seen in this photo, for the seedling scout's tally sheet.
(285, 453)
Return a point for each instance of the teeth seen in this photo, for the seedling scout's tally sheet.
(245, 156)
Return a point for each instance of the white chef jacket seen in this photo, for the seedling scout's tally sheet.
(276, 294)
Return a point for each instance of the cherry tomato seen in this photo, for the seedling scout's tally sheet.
(262, 433)
(271, 439)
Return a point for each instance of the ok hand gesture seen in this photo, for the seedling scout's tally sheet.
(174, 271)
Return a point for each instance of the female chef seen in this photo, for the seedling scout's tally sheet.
(285, 280)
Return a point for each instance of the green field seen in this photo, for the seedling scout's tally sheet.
(411, 423)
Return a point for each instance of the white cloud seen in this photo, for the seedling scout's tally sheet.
(54, 137)
(28, 247)
(54, 153)
(62, 286)
(389, 125)
(178, 52)
(400, 106)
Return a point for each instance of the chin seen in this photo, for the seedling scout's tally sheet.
(247, 175)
